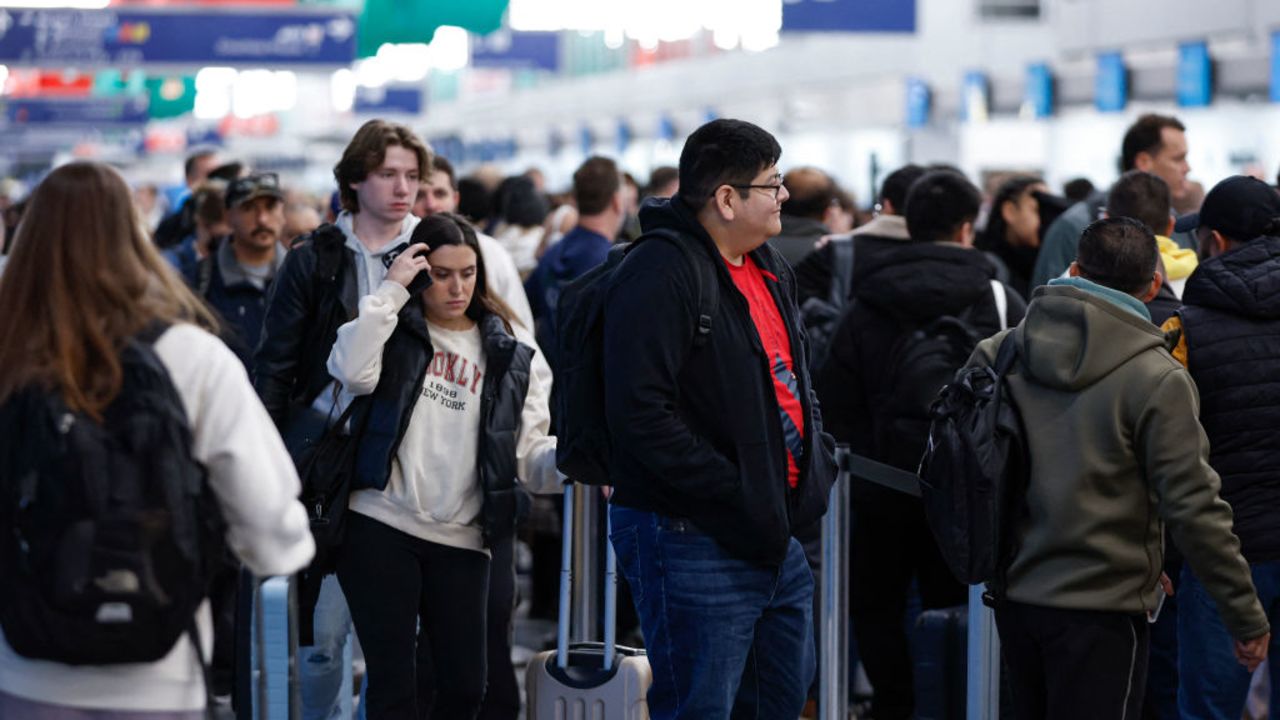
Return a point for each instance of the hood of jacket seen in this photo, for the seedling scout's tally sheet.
(671, 214)
(888, 226)
(1072, 338)
(578, 250)
(1244, 281)
(913, 282)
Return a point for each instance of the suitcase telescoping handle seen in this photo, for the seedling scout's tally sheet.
(566, 588)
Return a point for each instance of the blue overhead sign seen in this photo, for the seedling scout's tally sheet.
(77, 112)
(516, 50)
(1195, 75)
(1275, 67)
(849, 16)
(388, 100)
(919, 102)
(1111, 87)
(1038, 98)
(129, 38)
(976, 103)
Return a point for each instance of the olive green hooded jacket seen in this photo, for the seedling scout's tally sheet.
(1116, 452)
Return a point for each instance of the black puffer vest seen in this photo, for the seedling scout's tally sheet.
(1231, 321)
(506, 382)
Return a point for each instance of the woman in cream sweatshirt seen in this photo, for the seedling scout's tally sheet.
(450, 416)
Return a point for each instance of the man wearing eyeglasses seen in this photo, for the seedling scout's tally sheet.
(718, 449)
(235, 278)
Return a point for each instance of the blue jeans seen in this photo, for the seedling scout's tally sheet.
(726, 638)
(1212, 684)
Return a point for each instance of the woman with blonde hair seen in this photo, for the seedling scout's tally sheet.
(89, 306)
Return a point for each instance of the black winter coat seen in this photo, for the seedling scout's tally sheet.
(305, 308)
(385, 419)
(1231, 322)
(697, 432)
(899, 288)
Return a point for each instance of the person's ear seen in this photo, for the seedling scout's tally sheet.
(1074, 269)
(1156, 281)
(964, 236)
(1143, 161)
(1008, 211)
(725, 199)
(887, 208)
(1168, 231)
(1219, 243)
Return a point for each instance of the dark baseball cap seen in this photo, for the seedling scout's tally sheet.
(251, 187)
(1240, 207)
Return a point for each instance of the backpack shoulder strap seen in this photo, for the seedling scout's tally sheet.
(204, 274)
(328, 241)
(1002, 303)
(705, 276)
(152, 332)
(1007, 355)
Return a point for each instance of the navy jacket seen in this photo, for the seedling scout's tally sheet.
(241, 304)
(577, 252)
(697, 432)
(1231, 322)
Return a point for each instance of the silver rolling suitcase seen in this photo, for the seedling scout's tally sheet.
(591, 681)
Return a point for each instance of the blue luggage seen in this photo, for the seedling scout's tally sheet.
(940, 655)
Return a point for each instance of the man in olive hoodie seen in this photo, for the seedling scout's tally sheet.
(1116, 453)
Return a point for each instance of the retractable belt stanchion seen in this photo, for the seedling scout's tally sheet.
(586, 564)
(982, 692)
(833, 603)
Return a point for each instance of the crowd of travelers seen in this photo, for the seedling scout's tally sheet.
(370, 390)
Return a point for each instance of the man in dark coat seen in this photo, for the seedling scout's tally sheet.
(869, 400)
(718, 449)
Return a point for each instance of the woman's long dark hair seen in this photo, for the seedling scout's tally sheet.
(1011, 190)
(443, 229)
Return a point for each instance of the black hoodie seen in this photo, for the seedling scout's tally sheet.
(1231, 323)
(898, 288)
(696, 431)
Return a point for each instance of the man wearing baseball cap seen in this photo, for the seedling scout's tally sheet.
(1230, 342)
(235, 278)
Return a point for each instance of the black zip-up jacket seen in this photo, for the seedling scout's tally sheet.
(697, 432)
(386, 417)
(1231, 323)
(899, 287)
(314, 293)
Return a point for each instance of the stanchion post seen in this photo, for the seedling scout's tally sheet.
(833, 603)
(983, 692)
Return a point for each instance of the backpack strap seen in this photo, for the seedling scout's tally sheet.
(328, 241)
(1002, 303)
(1007, 355)
(704, 275)
(204, 274)
(149, 334)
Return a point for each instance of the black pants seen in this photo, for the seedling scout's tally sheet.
(392, 582)
(502, 698)
(1073, 663)
(892, 544)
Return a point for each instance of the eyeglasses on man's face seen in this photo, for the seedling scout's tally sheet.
(775, 186)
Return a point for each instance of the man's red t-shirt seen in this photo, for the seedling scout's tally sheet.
(750, 280)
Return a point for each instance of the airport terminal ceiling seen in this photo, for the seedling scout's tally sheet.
(852, 85)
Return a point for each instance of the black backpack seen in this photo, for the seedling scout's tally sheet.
(974, 471)
(582, 449)
(109, 532)
(821, 316)
(922, 361)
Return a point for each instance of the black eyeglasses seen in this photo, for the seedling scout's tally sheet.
(776, 187)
